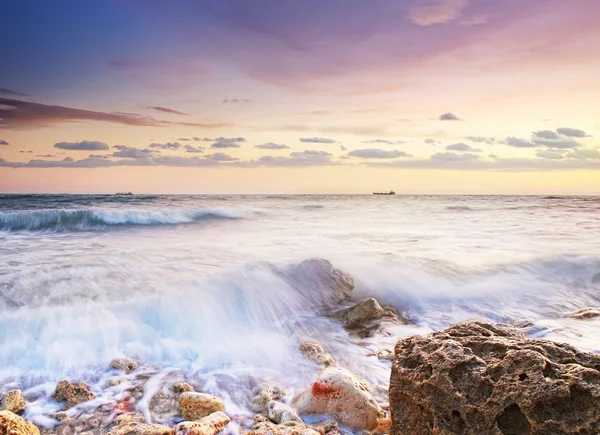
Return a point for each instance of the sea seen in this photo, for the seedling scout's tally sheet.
(201, 285)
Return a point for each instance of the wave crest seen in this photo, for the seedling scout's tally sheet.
(102, 219)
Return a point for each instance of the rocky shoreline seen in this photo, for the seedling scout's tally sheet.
(473, 378)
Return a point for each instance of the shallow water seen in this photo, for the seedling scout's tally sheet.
(202, 285)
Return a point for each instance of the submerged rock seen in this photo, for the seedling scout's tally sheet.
(183, 387)
(326, 285)
(135, 428)
(209, 425)
(264, 393)
(12, 401)
(341, 395)
(588, 313)
(316, 353)
(72, 393)
(282, 413)
(126, 364)
(12, 424)
(366, 311)
(194, 406)
(266, 427)
(476, 378)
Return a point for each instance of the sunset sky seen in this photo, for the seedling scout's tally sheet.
(300, 96)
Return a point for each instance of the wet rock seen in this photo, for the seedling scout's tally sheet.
(12, 424)
(596, 278)
(386, 354)
(476, 378)
(12, 401)
(209, 425)
(114, 382)
(316, 353)
(588, 313)
(126, 364)
(384, 426)
(194, 406)
(183, 387)
(366, 311)
(129, 417)
(326, 426)
(282, 413)
(326, 285)
(263, 394)
(289, 428)
(341, 395)
(135, 428)
(72, 393)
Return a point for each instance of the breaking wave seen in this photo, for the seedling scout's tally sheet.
(101, 219)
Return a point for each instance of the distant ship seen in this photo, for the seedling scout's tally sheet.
(391, 192)
(124, 193)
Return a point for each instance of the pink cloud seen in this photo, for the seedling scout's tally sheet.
(437, 12)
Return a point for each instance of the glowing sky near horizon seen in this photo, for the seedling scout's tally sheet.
(311, 96)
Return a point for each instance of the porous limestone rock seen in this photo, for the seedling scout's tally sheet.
(194, 406)
(72, 393)
(315, 352)
(475, 378)
(282, 413)
(12, 401)
(366, 311)
(126, 364)
(263, 394)
(12, 424)
(588, 313)
(209, 425)
(183, 387)
(290, 428)
(341, 395)
(135, 428)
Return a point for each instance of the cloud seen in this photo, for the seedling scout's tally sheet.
(166, 146)
(519, 143)
(85, 145)
(91, 156)
(225, 145)
(585, 154)
(342, 147)
(481, 139)
(26, 151)
(297, 159)
(431, 141)
(546, 134)
(454, 157)
(547, 154)
(235, 100)
(317, 140)
(221, 157)
(431, 12)
(224, 142)
(3, 142)
(132, 153)
(23, 114)
(462, 147)
(167, 110)
(378, 154)
(449, 116)
(546, 139)
(385, 141)
(13, 93)
(192, 149)
(271, 146)
(572, 132)
(184, 139)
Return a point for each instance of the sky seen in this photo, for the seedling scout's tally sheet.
(300, 96)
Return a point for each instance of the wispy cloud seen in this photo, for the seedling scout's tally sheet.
(373, 153)
(167, 110)
(271, 146)
(430, 12)
(317, 140)
(3, 142)
(85, 145)
(12, 92)
(166, 146)
(462, 147)
(449, 116)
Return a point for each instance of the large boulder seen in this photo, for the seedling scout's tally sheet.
(194, 406)
(476, 378)
(72, 393)
(12, 401)
(12, 424)
(341, 395)
(210, 425)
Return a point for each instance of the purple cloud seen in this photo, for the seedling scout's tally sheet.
(167, 110)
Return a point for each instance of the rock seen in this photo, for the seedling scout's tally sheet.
(194, 406)
(13, 401)
(596, 278)
(341, 395)
(588, 313)
(316, 353)
(282, 413)
(114, 382)
(386, 354)
(263, 394)
(126, 364)
(326, 426)
(476, 378)
(318, 279)
(364, 312)
(12, 424)
(135, 428)
(209, 425)
(289, 428)
(72, 393)
(183, 387)
(384, 426)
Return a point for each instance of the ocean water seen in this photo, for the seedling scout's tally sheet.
(205, 285)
